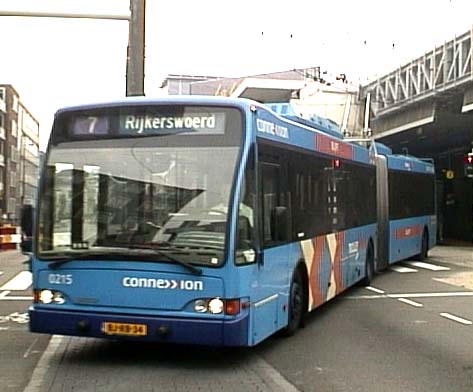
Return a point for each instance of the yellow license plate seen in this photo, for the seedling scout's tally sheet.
(129, 329)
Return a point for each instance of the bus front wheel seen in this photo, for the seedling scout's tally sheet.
(296, 304)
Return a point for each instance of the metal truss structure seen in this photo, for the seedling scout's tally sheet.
(444, 70)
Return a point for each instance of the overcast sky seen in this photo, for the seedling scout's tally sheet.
(57, 62)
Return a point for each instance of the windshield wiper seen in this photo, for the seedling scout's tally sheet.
(66, 257)
(63, 258)
(195, 270)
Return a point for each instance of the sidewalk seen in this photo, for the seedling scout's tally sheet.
(458, 253)
(11, 258)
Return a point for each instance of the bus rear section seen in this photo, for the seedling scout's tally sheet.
(406, 207)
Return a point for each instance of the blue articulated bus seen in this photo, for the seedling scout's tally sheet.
(199, 220)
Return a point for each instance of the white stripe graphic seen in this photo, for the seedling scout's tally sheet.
(409, 302)
(20, 282)
(402, 270)
(428, 266)
(456, 318)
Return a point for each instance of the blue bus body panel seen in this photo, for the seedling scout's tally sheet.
(130, 288)
(406, 236)
(178, 329)
(156, 294)
(272, 127)
(335, 262)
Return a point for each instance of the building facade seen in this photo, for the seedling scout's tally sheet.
(19, 155)
(309, 90)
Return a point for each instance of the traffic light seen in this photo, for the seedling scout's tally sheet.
(468, 165)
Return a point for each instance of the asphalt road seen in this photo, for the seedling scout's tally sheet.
(411, 330)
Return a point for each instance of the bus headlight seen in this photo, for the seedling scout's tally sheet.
(58, 298)
(216, 306)
(49, 296)
(45, 296)
(200, 306)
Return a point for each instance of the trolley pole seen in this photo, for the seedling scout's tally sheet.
(135, 65)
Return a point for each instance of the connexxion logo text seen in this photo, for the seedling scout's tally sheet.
(163, 284)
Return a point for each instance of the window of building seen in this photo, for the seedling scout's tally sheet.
(11, 205)
(2, 93)
(14, 128)
(15, 103)
(14, 154)
(2, 120)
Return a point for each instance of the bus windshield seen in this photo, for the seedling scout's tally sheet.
(163, 195)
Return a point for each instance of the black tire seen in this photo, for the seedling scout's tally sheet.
(369, 266)
(424, 247)
(296, 304)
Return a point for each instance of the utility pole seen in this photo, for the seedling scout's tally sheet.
(135, 65)
(136, 40)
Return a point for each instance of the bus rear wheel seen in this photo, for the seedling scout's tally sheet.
(424, 247)
(369, 265)
(296, 304)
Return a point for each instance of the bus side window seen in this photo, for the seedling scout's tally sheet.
(270, 177)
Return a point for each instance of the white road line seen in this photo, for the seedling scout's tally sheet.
(456, 318)
(409, 302)
(415, 295)
(4, 294)
(5, 297)
(428, 266)
(39, 374)
(20, 282)
(402, 270)
(374, 289)
(30, 348)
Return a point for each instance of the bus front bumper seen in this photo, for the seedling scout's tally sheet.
(159, 329)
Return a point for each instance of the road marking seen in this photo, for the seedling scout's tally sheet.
(374, 289)
(269, 376)
(409, 302)
(39, 374)
(456, 318)
(19, 283)
(5, 297)
(415, 295)
(30, 348)
(402, 270)
(4, 294)
(427, 266)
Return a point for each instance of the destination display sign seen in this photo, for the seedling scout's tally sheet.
(202, 122)
(206, 123)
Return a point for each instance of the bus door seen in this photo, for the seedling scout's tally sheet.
(271, 276)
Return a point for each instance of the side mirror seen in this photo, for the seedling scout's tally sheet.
(27, 218)
(279, 223)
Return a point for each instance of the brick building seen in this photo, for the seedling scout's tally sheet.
(19, 154)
